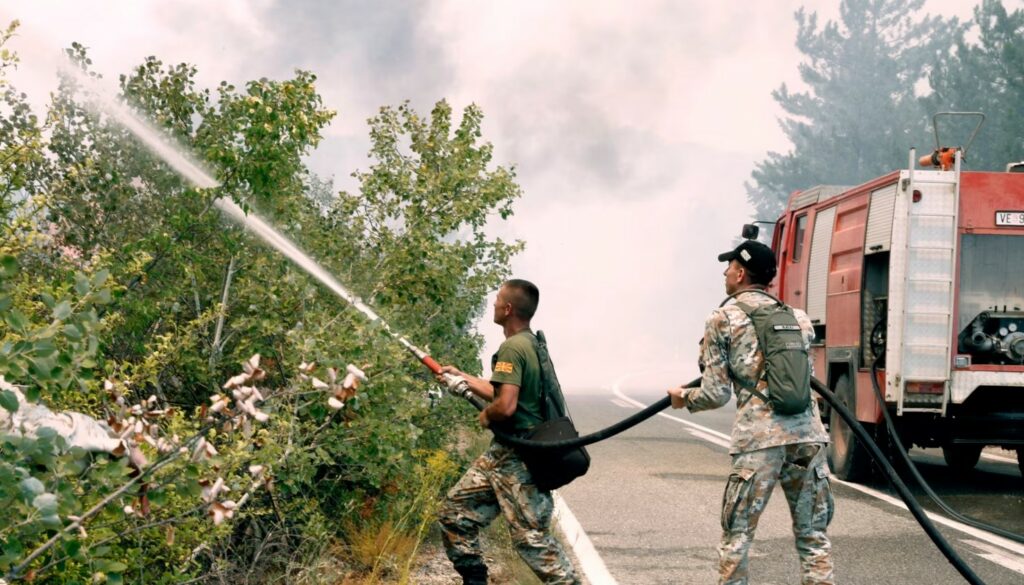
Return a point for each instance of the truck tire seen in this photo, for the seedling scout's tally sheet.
(847, 457)
(961, 458)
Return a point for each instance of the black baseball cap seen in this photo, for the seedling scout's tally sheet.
(754, 256)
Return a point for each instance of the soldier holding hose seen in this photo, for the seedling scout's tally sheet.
(768, 447)
(498, 481)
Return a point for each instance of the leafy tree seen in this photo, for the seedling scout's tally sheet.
(19, 133)
(123, 294)
(988, 77)
(860, 113)
(424, 215)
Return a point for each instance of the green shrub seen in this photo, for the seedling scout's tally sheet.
(124, 296)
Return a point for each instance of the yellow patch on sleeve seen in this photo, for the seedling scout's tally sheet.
(503, 368)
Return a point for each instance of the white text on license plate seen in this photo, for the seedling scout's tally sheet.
(1010, 218)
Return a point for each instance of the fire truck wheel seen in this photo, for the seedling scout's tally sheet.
(847, 457)
(961, 457)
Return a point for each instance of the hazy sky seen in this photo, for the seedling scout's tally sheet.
(632, 127)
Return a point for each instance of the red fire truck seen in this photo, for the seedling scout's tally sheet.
(924, 271)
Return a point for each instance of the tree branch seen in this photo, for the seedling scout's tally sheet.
(223, 313)
(170, 457)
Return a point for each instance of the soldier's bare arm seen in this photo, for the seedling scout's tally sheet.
(503, 407)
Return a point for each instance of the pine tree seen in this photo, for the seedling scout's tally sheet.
(986, 77)
(860, 112)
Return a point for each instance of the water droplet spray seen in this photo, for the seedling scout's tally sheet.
(176, 157)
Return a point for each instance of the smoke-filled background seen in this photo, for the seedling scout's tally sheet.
(634, 129)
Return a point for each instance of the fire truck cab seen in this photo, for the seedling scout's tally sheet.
(921, 271)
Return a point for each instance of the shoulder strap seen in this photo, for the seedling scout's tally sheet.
(552, 399)
(760, 338)
(543, 382)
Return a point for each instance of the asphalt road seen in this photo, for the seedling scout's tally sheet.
(650, 506)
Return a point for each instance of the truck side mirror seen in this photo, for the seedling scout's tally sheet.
(750, 231)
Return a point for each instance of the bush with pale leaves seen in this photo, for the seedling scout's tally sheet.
(338, 392)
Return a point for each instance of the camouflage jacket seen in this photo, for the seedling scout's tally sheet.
(730, 353)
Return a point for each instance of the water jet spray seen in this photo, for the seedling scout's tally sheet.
(174, 156)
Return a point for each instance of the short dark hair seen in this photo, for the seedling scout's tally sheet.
(524, 298)
(757, 278)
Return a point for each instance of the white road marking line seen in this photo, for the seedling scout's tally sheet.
(702, 435)
(998, 556)
(711, 435)
(697, 431)
(999, 541)
(590, 562)
(621, 403)
(992, 539)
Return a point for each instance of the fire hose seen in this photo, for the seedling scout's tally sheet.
(458, 386)
(904, 492)
(891, 428)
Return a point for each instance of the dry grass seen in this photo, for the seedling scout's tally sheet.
(385, 546)
(379, 548)
(386, 552)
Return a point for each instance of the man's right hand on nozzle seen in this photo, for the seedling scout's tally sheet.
(448, 370)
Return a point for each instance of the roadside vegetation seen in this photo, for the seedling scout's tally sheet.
(265, 457)
(126, 297)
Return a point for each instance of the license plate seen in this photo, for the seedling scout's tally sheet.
(1014, 218)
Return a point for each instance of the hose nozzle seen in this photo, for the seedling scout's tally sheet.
(457, 385)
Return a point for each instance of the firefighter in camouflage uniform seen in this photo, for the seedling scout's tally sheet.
(498, 482)
(767, 448)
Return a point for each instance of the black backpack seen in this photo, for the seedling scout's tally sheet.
(786, 367)
(552, 468)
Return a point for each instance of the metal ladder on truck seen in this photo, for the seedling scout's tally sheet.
(921, 289)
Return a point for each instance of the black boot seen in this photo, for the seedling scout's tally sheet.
(475, 574)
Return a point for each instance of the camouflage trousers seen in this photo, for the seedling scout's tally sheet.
(498, 482)
(802, 470)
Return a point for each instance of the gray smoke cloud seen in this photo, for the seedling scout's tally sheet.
(632, 129)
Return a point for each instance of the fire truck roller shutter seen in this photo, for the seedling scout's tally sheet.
(817, 270)
(879, 231)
